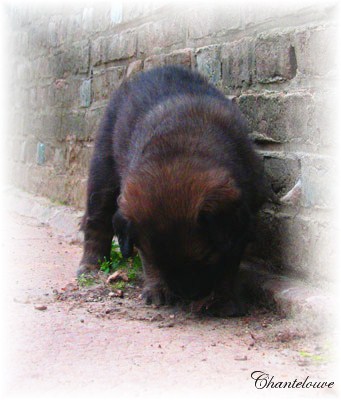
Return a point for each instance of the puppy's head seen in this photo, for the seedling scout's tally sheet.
(187, 220)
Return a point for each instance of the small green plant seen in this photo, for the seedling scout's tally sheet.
(119, 285)
(317, 358)
(132, 266)
(105, 266)
(86, 280)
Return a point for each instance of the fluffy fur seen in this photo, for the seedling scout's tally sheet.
(175, 175)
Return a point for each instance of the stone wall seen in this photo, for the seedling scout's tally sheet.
(277, 62)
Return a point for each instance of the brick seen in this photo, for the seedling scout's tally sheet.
(213, 19)
(308, 246)
(85, 93)
(73, 125)
(93, 119)
(73, 28)
(32, 98)
(292, 243)
(237, 63)
(178, 57)
(52, 67)
(282, 172)
(24, 72)
(41, 157)
(21, 99)
(77, 58)
(31, 124)
(208, 62)
(134, 67)
(96, 20)
(326, 104)
(19, 43)
(23, 152)
(155, 37)
(316, 50)
(50, 127)
(319, 181)
(30, 151)
(59, 157)
(37, 42)
(105, 81)
(275, 58)
(120, 46)
(282, 117)
(154, 61)
(17, 123)
(67, 92)
(97, 51)
(134, 10)
(43, 99)
(54, 31)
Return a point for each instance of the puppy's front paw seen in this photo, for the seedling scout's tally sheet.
(158, 295)
(87, 269)
(227, 308)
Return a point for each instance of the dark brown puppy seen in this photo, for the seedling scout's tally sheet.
(173, 174)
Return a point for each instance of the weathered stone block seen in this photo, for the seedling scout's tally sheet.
(41, 157)
(73, 27)
(179, 57)
(59, 157)
(97, 51)
(73, 126)
(155, 37)
(50, 125)
(208, 62)
(49, 68)
(77, 58)
(237, 63)
(275, 58)
(85, 93)
(105, 81)
(32, 98)
(24, 72)
(120, 46)
(326, 107)
(37, 39)
(133, 10)
(281, 172)
(319, 181)
(212, 20)
(316, 50)
(30, 151)
(154, 61)
(54, 31)
(93, 119)
(98, 18)
(282, 117)
(134, 67)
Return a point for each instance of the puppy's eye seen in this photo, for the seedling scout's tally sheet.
(210, 258)
(213, 258)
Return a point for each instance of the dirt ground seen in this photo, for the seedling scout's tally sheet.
(89, 342)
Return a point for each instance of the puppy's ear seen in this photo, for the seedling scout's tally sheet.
(224, 215)
(123, 231)
(219, 198)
